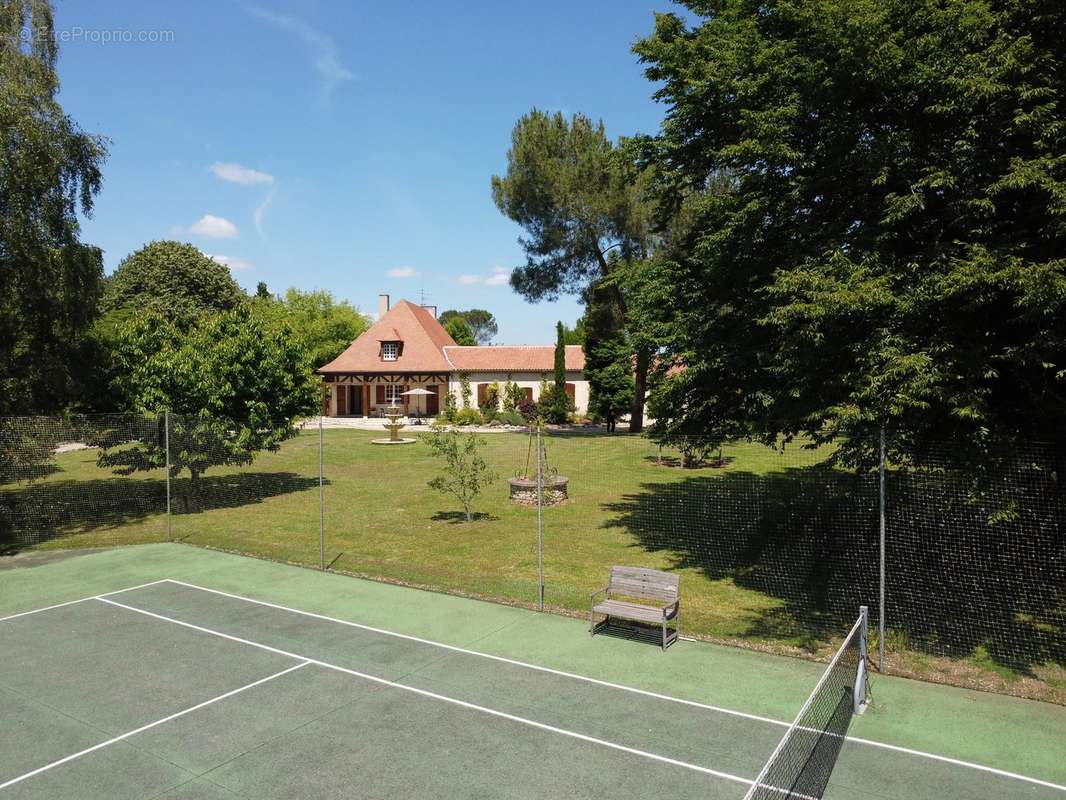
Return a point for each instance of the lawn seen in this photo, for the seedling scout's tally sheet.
(748, 537)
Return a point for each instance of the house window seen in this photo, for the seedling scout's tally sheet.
(390, 351)
(394, 395)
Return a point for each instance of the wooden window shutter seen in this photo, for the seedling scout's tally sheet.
(380, 393)
(571, 389)
(481, 393)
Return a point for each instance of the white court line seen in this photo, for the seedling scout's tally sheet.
(143, 728)
(84, 599)
(444, 698)
(855, 739)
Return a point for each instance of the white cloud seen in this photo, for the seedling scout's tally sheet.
(214, 227)
(235, 173)
(323, 49)
(402, 272)
(235, 264)
(260, 214)
(499, 277)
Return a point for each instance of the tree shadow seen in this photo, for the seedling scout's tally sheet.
(809, 537)
(458, 517)
(39, 512)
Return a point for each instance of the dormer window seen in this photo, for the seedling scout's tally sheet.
(390, 351)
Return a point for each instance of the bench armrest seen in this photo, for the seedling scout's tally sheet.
(671, 608)
(604, 590)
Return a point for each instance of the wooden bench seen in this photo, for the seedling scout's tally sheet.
(650, 596)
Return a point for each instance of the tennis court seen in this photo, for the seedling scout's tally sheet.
(179, 689)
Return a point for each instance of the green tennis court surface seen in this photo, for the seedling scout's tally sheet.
(216, 676)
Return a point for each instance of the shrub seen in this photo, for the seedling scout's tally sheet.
(467, 416)
(557, 406)
(449, 412)
(528, 409)
(512, 418)
(492, 397)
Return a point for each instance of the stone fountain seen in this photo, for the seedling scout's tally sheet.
(393, 414)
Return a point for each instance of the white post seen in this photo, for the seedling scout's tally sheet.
(166, 444)
(321, 501)
(881, 587)
(540, 524)
(860, 679)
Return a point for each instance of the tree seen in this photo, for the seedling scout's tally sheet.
(580, 200)
(262, 291)
(576, 334)
(323, 326)
(233, 384)
(482, 323)
(465, 472)
(49, 172)
(886, 245)
(558, 405)
(608, 358)
(457, 328)
(176, 280)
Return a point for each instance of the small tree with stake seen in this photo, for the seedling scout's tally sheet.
(465, 472)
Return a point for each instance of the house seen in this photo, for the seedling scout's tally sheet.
(407, 348)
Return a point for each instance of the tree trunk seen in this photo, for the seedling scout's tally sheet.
(640, 381)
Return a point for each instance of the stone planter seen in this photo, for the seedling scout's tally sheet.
(524, 491)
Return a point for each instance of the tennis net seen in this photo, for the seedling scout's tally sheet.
(803, 760)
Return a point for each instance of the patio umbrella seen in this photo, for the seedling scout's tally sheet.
(419, 392)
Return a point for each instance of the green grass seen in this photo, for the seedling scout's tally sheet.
(383, 521)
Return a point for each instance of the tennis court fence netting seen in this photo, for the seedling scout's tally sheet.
(974, 559)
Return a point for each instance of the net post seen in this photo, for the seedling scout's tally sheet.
(166, 445)
(321, 500)
(540, 525)
(861, 677)
(881, 549)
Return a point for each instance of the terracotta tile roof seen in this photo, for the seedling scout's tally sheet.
(424, 340)
(513, 358)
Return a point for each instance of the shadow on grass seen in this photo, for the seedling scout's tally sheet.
(809, 537)
(458, 517)
(40, 512)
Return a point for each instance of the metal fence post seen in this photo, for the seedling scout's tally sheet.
(166, 444)
(881, 587)
(540, 524)
(321, 500)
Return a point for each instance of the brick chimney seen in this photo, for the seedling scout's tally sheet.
(432, 310)
(383, 305)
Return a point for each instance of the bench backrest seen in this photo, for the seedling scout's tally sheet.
(647, 584)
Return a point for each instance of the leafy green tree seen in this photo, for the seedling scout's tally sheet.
(576, 334)
(482, 323)
(234, 386)
(323, 326)
(886, 244)
(465, 472)
(262, 291)
(460, 331)
(49, 172)
(584, 207)
(176, 280)
(608, 358)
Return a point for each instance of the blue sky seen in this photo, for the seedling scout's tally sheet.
(344, 146)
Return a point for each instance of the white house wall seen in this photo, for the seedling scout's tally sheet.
(529, 380)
